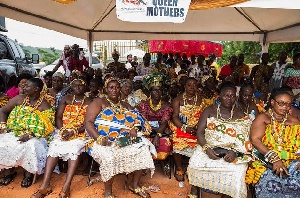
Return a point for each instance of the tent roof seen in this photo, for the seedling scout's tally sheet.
(96, 20)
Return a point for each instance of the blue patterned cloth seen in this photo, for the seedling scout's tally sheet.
(272, 186)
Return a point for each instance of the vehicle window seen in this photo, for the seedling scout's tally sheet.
(21, 52)
(95, 60)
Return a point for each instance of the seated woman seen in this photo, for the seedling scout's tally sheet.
(245, 101)
(126, 92)
(219, 163)
(107, 121)
(158, 114)
(20, 86)
(275, 135)
(209, 90)
(69, 140)
(187, 108)
(25, 122)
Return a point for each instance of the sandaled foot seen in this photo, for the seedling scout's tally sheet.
(7, 179)
(27, 180)
(41, 193)
(64, 194)
(140, 192)
(191, 196)
(179, 175)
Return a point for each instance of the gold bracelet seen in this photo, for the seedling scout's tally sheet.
(3, 125)
(205, 147)
(30, 136)
(99, 139)
(159, 135)
(183, 127)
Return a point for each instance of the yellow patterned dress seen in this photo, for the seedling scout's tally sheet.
(3, 101)
(73, 118)
(184, 143)
(31, 155)
(219, 175)
(114, 123)
(268, 184)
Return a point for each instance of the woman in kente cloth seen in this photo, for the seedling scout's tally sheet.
(25, 123)
(187, 108)
(158, 113)
(275, 135)
(222, 127)
(108, 120)
(69, 138)
(209, 91)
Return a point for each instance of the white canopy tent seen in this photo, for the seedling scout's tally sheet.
(266, 21)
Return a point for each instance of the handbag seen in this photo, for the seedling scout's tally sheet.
(181, 134)
(127, 140)
(221, 152)
(262, 159)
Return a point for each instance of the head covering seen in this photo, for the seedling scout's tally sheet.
(154, 80)
(58, 74)
(179, 76)
(138, 78)
(115, 52)
(125, 81)
(111, 79)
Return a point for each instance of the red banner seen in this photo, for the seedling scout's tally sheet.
(188, 47)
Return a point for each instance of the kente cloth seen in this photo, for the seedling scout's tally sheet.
(219, 175)
(189, 115)
(113, 123)
(73, 117)
(272, 186)
(293, 78)
(286, 151)
(3, 101)
(155, 118)
(30, 155)
(26, 120)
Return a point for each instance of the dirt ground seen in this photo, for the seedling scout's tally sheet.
(168, 187)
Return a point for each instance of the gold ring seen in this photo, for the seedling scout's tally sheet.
(281, 169)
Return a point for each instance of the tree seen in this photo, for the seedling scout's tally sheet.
(48, 57)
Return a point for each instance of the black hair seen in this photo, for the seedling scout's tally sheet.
(23, 76)
(38, 82)
(245, 85)
(190, 78)
(296, 57)
(224, 85)
(48, 74)
(280, 91)
(96, 80)
(200, 55)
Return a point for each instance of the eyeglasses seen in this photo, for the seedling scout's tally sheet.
(281, 103)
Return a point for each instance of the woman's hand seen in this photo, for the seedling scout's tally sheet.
(211, 154)
(24, 138)
(230, 156)
(191, 130)
(133, 132)
(279, 168)
(67, 134)
(156, 140)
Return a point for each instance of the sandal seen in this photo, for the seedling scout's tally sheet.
(179, 175)
(7, 179)
(41, 193)
(27, 181)
(191, 196)
(140, 192)
(64, 194)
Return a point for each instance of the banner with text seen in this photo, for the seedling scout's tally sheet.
(152, 10)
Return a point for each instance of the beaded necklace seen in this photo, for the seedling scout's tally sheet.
(276, 132)
(189, 107)
(116, 108)
(219, 116)
(154, 108)
(247, 108)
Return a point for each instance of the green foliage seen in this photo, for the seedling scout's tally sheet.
(48, 57)
(252, 51)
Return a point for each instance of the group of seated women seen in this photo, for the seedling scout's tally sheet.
(227, 147)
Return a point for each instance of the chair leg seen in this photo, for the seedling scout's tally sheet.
(90, 173)
(170, 165)
(34, 178)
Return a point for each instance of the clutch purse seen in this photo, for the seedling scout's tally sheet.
(181, 134)
(221, 152)
(127, 140)
(262, 159)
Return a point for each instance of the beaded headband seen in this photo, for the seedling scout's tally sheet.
(82, 81)
(111, 79)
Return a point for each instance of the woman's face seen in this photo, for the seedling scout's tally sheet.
(156, 92)
(113, 90)
(22, 83)
(191, 87)
(30, 88)
(246, 95)
(94, 87)
(282, 104)
(126, 89)
(57, 83)
(78, 87)
(228, 97)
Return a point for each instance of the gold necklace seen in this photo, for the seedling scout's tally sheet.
(276, 132)
(219, 116)
(154, 108)
(189, 107)
(247, 108)
(116, 108)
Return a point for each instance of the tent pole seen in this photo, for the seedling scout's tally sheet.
(90, 46)
(264, 43)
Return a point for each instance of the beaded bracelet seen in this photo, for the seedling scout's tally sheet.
(100, 139)
(205, 147)
(183, 128)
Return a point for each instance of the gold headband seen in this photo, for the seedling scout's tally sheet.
(82, 81)
(111, 79)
